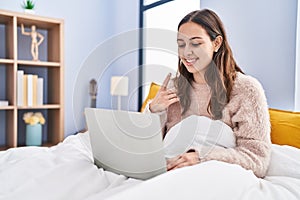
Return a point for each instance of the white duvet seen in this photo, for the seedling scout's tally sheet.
(66, 171)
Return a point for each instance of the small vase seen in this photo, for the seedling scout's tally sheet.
(29, 11)
(34, 135)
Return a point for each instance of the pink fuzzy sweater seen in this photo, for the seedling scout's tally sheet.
(246, 113)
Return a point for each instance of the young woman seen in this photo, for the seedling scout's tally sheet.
(210, 83)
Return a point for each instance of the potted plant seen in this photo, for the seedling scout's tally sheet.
(28, 6)
(34, 122)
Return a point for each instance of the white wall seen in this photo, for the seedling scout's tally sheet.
(88, 24)
(116, 55)
(262, 35)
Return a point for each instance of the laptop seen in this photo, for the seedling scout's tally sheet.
(127, 143)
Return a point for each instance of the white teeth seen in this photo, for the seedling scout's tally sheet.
(192, 60)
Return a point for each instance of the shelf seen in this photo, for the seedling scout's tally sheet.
(15, 55)
(6, 107)
(38, 63)
(44, 22)
(41, 22)
(5, 18)
(6, 61)
(47, 106)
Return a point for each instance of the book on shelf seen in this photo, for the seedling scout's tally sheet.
(20, 75)
(39, 92)
(29, 89)
(25, 90)
(34, 89)
(3, 103)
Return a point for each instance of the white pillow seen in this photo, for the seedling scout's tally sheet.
(197, 131)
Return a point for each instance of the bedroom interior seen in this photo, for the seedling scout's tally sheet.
(103, 43)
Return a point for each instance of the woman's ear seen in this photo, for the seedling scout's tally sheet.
(218, 42)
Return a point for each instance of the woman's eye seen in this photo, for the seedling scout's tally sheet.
(196, 44)
(181, 45)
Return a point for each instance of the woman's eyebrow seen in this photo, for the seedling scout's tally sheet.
(192, 38)
(197, 37)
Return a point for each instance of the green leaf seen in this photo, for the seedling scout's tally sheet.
(28, 4)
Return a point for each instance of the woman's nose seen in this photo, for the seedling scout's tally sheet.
(187, 51)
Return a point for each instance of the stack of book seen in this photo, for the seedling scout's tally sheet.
(29, 89)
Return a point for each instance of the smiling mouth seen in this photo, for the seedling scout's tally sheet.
(190, 61)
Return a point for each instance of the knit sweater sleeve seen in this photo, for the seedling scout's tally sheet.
(247, 113)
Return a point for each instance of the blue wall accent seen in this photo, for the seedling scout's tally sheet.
(262, 35)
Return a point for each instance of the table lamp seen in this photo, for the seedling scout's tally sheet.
(119, 87)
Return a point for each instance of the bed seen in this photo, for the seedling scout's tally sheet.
(66, 171)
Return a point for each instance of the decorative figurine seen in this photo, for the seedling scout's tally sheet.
(35, 43)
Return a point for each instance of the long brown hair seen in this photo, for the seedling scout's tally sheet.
(220, 73)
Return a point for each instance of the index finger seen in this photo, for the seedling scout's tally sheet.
(166, 81)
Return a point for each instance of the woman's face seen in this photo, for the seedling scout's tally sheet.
(195, 48)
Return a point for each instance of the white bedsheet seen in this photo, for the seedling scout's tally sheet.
(66, 171)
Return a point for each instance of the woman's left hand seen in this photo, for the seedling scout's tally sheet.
(186, 159)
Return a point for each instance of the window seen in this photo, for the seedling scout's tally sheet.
(160, 32)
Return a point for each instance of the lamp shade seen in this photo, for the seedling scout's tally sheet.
(119, 86)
